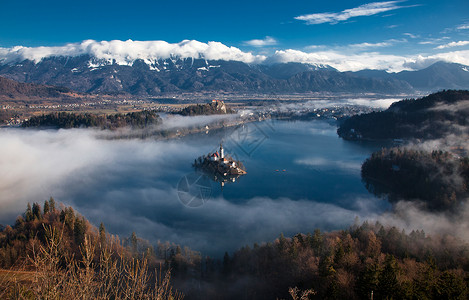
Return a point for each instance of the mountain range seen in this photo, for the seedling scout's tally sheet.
(89, 74)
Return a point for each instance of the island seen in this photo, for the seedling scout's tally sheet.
(220, 167)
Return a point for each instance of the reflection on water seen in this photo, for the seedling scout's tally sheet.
(301, 176)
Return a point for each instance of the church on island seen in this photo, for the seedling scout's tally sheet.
(219, 164)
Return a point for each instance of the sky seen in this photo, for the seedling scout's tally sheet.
(391, 35)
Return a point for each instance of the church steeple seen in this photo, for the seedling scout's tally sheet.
(222, 154)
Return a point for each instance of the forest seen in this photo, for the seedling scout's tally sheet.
(430, 117)
(212, 108)
(438, 179)
(55, 253)
(68, 256)
(139, 119)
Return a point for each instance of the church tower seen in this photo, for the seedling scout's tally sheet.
(222, 154)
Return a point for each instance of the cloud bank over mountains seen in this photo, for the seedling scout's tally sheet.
(127, 52)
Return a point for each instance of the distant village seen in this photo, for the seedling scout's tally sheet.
(257, 110)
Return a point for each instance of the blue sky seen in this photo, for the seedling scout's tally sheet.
(342, 28)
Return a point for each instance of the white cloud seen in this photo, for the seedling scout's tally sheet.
(453, 44)
(370, 45)
(433, 41)
(314, 47)
(368, 9)
(412, 36)
(341, 61)
(351, 57)
(463, 27)
(267, 41)
(126, 52)
(367, 60)
(420, 61)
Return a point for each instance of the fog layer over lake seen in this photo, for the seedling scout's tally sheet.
(301, 176)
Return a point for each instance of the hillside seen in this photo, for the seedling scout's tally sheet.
(68, 256)
(433, 116)
(10, 89)
(134, 120)
(54, 253)
(437, 179)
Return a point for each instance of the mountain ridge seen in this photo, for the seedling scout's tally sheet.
(440, 75)
(89, 74)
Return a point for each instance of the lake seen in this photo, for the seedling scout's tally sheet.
(300, 176)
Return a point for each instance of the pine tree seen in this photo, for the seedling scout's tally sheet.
(102, 233)
(51, 204)
(68, 217)
(388, 285)
(46, 207)
(79, 230)
(133, 242)
(282, 241)
(367, 281)
(28, 215)
(37, 211)
(451, 286)
(317, 242)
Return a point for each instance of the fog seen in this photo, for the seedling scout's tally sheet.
(175, 121)
(131, 185)
(377, 103)
(409, 216)
(458, 107)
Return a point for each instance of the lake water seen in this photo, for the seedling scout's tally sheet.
(301, 176)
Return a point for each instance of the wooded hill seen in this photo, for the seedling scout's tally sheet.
(437, 179)
(349, 264)
(212, 108)
(433, 116)
(72, 120)
(54, 253)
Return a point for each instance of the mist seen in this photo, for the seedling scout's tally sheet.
(131, 185)
(307, 106)
(410, 216)
(171, 121)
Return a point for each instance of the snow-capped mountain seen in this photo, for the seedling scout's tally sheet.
(95, 75)
(157, 67)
